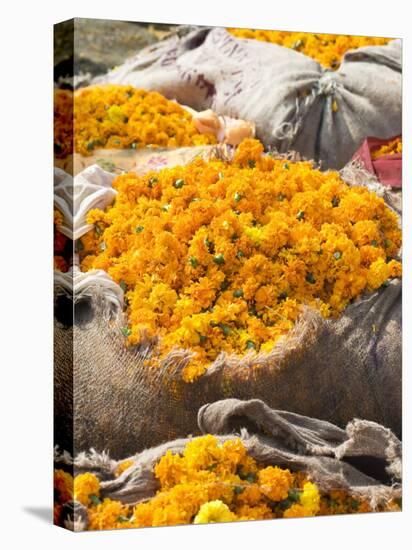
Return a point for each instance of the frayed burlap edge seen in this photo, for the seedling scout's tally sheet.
(288, 440)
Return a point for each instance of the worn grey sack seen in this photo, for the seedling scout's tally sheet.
(290, 97)
(363, 459)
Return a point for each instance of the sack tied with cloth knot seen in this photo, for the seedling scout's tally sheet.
(294, 102)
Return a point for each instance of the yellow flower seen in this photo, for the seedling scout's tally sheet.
(193, 371)
(395, 268)
(214, 512)
(211, 482)
(85, 486)
(254, 234)
(110, 514)
(250, 494)
(170, 470)
(247, 513)
(115, 116)
(327, 49)
(275, 483)
(58, 217)
(308, 505)
(296, 511)
(391, 148)
(310, 498)
(221, 256)
(202, 452)
(248, 153)
(63, 123)
(378, 273)
(63, 485)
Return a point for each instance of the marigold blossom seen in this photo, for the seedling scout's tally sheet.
(225, 260)
(327, 49)
(118, 117)
(214, 511)
(85, 486)
(393, 147)
(210, 482)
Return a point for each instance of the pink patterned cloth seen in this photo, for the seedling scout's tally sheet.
(387, 168)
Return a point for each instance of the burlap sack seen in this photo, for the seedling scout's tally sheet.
(294, 102)
(363, 459)
(110, 397)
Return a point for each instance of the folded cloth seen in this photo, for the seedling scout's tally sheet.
(363, 459)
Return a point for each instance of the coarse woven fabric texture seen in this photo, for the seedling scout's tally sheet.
(118, 399)
(114, 398)
(294, 102)
(363, 459)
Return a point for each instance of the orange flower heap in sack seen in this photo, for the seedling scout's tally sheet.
(393, 147)
(63, 123)
(327, 49)
(60, 244)
(214, 482)
(118, 117)
(218, 256)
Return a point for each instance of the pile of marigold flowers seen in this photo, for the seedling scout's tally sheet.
(221, 256)
(209, 482)
(63, 123)
(62, 247)
(119, 117)
(393, 147)
(327, 49)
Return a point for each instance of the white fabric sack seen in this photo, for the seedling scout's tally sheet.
(91, 188)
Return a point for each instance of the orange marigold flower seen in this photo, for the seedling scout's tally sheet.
(221, 256)
(85, 486)
(63, 123)
(391, 148)
(118, 117)
(327, 49)
(275, 483)
(63, 485)
(246, 512)
(212, 481)
(110, 514)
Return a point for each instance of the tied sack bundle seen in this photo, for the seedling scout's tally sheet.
(294, 102)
